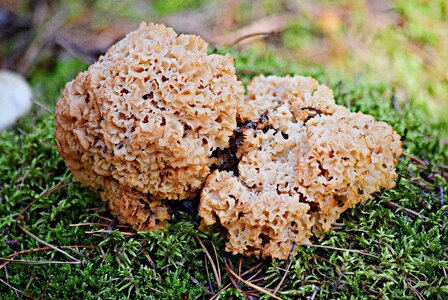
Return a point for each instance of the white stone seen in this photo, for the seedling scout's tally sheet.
(15, 98)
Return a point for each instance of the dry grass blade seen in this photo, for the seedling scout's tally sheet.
(255, 34)
(250, 284)
(98, 224)
(289, 262)
(43, 106)
(217, 260)
(416, 292)
(214, 268)
(209, 281)
(16, 289)
(245, 273)
(410, 212)
(46, 288)
(416, 159)
(148, 257)
(40, 262)
(340, 249)
(56, 188)
(127, 234)
(232, 279)
(49, 248)
(46, 244)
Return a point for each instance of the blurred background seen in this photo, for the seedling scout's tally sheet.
(400, 43)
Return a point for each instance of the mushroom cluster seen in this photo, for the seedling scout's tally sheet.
(156, 118)
(298, 171)
(141, 124)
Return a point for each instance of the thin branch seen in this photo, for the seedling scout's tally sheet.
(16, 289)
(43, 106)
(416, 159)
(49, 248)
(289, 262)
(42, 297)
(235, 284)
(242, 38)
(127, 234)
(214, 268)
(250, 284)
(245, 273)
(98, 224)
(217, 260)
(410, 212)
(340, 249)
(56, 188)
(210, 285)
(416, 292)
(40, 262)
(47, 244)
(148, 257)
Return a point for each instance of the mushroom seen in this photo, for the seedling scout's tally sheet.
(300, 171)
(141, 124)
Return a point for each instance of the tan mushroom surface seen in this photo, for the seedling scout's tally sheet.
(300, 170)
(151, 119)
(142, 122)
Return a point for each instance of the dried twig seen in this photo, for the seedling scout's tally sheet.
(209, 281)
(250, 284)
(148, 257)
(410, 212)
(255, 34)
(217, 260)
(43, 106)
(46, 244)
(110, 227)
(49, 248)
(40, 262)
(245, 273)
(46, 288)
(340, 249)
(16, 289)
(416, 292)
(99, 224)
(214, 268)
(235, 284)
(127, 234)
(422, 163)
(289, 263)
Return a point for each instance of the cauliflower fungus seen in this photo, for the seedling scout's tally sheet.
(145, 119)
(299, 173)
(149, 121)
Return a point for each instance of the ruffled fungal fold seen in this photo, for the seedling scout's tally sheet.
(301, 171)
(344, 158)
(286, 99)
(147, 117)
(149, 120)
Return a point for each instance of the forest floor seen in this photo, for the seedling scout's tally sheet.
(387, 59)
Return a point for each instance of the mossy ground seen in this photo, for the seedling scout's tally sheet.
(394, 246)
